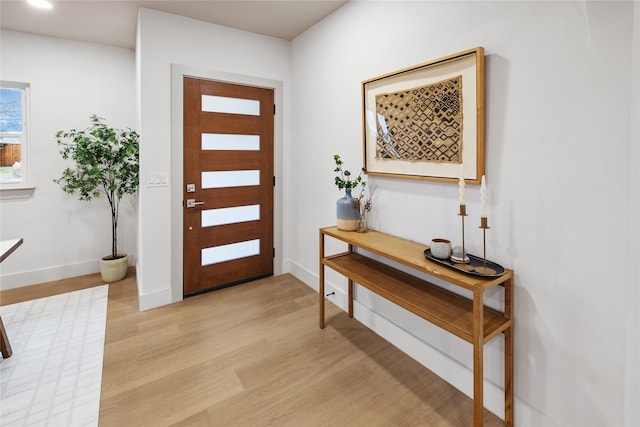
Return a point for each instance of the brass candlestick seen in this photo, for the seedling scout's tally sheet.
(484, 269)
(462, 265)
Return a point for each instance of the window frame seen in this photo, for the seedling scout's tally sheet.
(20, 189)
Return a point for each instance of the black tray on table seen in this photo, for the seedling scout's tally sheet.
(474, 261)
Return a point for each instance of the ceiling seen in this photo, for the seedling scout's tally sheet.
(113, 22)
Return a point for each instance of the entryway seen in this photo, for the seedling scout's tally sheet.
(228, 184)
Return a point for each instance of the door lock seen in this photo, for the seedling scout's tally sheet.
(191, 203)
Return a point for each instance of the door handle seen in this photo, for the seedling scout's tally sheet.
(191, 203)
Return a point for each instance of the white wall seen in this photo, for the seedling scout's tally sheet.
(163, 40)
(632, 293)
(70, 81)
(558, 168)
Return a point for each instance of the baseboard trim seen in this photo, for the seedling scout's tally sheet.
(34, 277)
(154, 299)
(307, 276)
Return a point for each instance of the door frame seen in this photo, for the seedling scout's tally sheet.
(178, 72)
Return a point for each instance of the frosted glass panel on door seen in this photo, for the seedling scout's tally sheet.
(222, 216)
(224, 141)
(231, 251)
(225, 179)
(223, 104)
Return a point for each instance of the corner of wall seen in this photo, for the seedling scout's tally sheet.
(153, 299)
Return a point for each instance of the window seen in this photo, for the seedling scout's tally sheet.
(14, 99)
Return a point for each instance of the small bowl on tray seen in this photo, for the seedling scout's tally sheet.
(478, 264)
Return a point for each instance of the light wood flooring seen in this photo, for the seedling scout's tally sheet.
(253, 355)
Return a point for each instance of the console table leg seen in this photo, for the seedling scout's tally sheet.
(508, 355)
(350, 298)
(321, 285)
(478, 361)
(508, 377)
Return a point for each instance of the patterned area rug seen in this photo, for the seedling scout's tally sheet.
(54, 376)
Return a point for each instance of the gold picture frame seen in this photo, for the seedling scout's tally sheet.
(427, 121)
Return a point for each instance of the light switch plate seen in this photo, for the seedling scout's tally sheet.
(158, 179)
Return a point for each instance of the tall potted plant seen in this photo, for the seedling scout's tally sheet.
(106, 162)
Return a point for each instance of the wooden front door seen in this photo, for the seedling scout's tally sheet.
(228, 178)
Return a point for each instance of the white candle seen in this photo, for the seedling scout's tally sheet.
(483, 198)
(461, 186)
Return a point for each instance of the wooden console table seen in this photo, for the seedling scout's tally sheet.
(466, 318)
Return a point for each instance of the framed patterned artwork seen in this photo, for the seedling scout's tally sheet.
(427, 121)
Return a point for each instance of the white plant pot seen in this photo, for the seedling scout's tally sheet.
(113, 270)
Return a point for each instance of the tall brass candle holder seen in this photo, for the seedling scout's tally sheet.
(462, 265)
(484, 269)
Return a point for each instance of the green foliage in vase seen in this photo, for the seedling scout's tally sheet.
(343, 180)
(106, 161)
